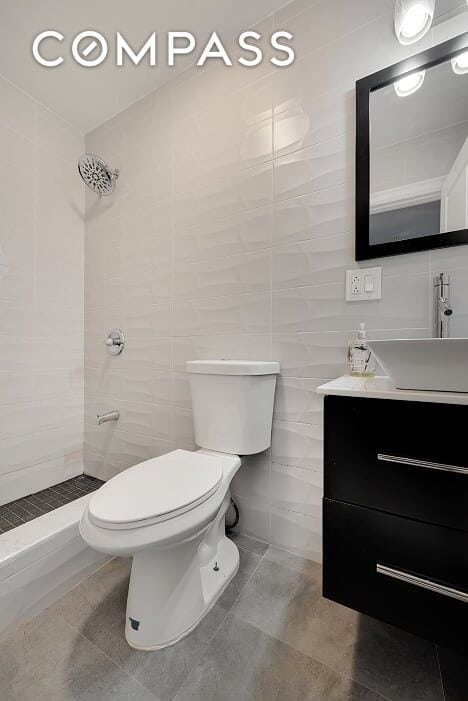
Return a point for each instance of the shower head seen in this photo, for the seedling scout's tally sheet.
(97, 175)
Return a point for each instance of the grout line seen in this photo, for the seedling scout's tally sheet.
(342, 284)
(242, 254)
(313, 144)
(440, 673)
(96, 647)
(292, 647)
(249, 579)
(207, 645)
(228, 613)
(338, 39)
(38, 103)
(45, 500)
(420, 135)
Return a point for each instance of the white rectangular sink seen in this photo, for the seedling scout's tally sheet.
(438, 364)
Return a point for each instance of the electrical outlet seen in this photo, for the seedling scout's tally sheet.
(363, 284)
(355, 284)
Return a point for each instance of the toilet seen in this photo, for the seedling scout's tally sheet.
(168, 513)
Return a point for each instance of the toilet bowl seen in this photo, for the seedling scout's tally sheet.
(168, 513)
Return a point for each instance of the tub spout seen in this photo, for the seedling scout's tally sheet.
(110, 416)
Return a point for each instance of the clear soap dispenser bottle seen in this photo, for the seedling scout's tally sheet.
(361, 360)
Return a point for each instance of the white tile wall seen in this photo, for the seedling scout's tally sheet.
(228, 236)
(41, 297)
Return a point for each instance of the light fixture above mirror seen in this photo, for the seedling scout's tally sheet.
(413, 19)
(460, 63)
(409, 84)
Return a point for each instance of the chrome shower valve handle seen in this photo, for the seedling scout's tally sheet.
(115, 341)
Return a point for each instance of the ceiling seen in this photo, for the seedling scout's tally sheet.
(87, 97)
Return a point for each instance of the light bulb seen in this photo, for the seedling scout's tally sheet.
(460, 63)
(408, 85)
(414, 21)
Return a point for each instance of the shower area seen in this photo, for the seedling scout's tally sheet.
(44, 481)
(177, 256)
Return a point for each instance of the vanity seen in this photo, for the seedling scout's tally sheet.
(395, 506)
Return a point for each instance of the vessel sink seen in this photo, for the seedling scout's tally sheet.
(438, 364)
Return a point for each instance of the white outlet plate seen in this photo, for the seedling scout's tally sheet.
(363, 284)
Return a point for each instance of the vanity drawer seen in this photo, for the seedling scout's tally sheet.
(406, 458)
(410, 574)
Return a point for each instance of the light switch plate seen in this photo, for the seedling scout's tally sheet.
(363, 284)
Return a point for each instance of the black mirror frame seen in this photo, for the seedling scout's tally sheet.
(364, 87)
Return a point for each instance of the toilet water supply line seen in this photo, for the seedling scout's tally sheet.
(230, 527)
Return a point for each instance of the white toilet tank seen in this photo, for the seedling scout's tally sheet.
(232, 404)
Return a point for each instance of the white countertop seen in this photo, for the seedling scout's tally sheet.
(383, 388)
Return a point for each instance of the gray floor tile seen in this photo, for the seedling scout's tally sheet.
(294, 562)
(247, 543)
(244, 664)
(164, 671)
(281, 641)
(46, 660)
(287, 604)
(97, 609)
(454, 670)
(247, 565)
(106, 590)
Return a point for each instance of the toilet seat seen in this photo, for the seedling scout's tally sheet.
(156, 490)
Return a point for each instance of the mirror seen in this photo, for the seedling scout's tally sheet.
(412, 157)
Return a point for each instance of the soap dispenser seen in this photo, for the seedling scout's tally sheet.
(361, 360)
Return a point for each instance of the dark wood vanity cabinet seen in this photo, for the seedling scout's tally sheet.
(396, 513)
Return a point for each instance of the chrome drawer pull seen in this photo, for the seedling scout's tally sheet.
(423, 583)
(423, 463)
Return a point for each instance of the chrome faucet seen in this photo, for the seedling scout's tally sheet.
(110, 416)
(443, 310)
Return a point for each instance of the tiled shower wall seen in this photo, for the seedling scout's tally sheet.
(41, 297)
(228, 237)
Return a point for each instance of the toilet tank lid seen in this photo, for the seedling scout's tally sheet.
(232, 367)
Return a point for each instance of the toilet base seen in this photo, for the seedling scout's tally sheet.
(172, 589)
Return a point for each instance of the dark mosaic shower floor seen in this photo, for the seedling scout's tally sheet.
(28, 508)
